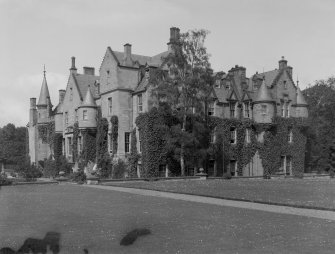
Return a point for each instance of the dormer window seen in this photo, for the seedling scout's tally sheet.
(232, 109)
(246, 106)
(217, 83)
(228, 85)
(211, 108)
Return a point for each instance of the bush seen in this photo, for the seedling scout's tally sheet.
(79, 177)
(4, 180)
(50, 168)
(119, 169)
(227, 176)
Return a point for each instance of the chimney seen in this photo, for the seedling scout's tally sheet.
(32, 103)
(282, 63)
(174, 36)
(88, 70)
(61, 96)
(127, 55)
(290, 70)
(73, 68)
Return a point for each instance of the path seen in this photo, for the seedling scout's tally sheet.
(320, 214)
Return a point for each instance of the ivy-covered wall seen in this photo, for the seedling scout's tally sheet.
(154, 126)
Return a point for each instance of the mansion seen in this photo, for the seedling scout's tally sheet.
(121, 88)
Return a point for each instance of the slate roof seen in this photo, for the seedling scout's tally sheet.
(263, 93)
(44, 94)
(222, 94)
(142, 86)
(84, 81)
(89, 100)
(300, 98)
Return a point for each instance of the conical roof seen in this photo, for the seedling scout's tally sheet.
(300, 98)
(44, 94)
(89, 100)
(263, 93)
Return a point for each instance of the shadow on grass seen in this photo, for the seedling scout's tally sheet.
(131, 237)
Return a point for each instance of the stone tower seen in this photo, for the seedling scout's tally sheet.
(87, 112)
(264, 105)
(301, 108)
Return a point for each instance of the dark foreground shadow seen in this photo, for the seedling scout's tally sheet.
(131, 237)
(32, 245)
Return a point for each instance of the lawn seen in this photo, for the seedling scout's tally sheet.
(98, 220)
(308, 192)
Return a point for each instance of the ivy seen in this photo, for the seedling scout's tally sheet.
(101, 141)
(89, 145)
(76, 133)
(115, 127)
(57, 145)
(133, 156)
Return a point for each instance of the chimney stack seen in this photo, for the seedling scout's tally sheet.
(174, 37)
(61, 96)
(73, 68)
(282, 63)
(88, 70)
(127, 55)
(32, 103)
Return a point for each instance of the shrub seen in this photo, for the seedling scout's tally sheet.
(79, 177)
(227, 176)
(119, 169)
(4, 180)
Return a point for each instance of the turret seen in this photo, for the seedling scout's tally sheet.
(32, 112)
(87, 112)
(174, 37)
(263, 105)
(301, 107)
(44, 105)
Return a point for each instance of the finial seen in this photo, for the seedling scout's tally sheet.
(297, 81)
(282, 58)
(44, 69)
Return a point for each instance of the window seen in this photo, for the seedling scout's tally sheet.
(69, 143)
(139, 103)
(110, 142)
(283, 109)
(287, 110)
(264, 110)
(139, 142)
(76, 113)
(110, 106)
(285, 84)
(66, 118)
(211, 109)
(290, 135)
(232, 109)
(80, 145)
(247, 109)
(247, 135)
(85, 116)
(71, 94)
(212, 137)
(127, 142)
(217, 83)
(227, 85)
(233, 167)
(232, 135)
(97, 89)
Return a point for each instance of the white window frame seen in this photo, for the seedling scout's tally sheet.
(232, 108)
(290, 135)
(248, 135)
(246, 109)
(139, 103)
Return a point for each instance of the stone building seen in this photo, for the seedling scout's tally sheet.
(121, 88)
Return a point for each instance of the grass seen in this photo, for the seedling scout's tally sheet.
(104, 221)
(313, 193)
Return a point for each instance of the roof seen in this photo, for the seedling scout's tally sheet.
(84, 81)
(300, 98)
(269, 76)
(142, 85)
(263, 93)
(222, 94)
(155, 60)
(89, 100)
(44, 94)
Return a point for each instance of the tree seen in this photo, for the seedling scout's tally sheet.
(321, 100)
(183, 83)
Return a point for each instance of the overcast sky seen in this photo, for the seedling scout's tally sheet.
(251, 33)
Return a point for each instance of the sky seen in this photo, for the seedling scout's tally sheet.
(251, 33)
